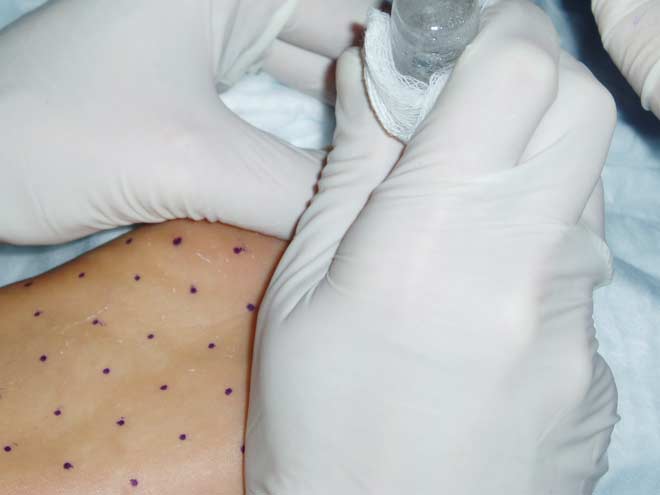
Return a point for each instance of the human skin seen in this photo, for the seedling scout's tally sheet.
(151, 310)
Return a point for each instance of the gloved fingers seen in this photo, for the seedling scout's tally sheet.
(276, 180)
(362, 156)
(500, 89)
(302, 69)
(224, 169)
(556, 174)
(651, 100)
(563, 162)
(327, 27)
(608, 13)
(240, 33)
(629, 30)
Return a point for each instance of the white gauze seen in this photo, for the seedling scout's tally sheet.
(400, 102)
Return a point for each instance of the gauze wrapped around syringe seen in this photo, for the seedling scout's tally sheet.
(409, 56)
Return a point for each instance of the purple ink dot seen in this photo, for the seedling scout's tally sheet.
(27, 284)
(7, 448)
(182, 436)
(106, 371)
(57, 412)
(250, 307)
(177, 241)
(129, 240)
(228, 391)
(81, 275)
(163, 387)
(121, 422)
(242, 449)
(137, 278)
(193, 289)
(67, 465)
(212, 345)
(37, 313)
(150, 336)
(134, 482)
(96, 321)
(43, 358)
(238, 250)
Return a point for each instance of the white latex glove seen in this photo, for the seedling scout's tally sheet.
(109, 116)
(304, 55)
(630, 30)
(429, 329)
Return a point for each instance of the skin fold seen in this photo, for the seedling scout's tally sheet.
(172, 304)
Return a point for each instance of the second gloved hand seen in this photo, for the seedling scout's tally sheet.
(630, 30)
(429, 329)
(109, 116)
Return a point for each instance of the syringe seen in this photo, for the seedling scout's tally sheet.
(429, 35)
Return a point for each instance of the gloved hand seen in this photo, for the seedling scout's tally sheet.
(109, 115)
(429, 328)
(630, 30)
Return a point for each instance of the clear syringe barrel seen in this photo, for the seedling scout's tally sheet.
(429, 35)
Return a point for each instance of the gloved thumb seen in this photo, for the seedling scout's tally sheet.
(362, 156)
